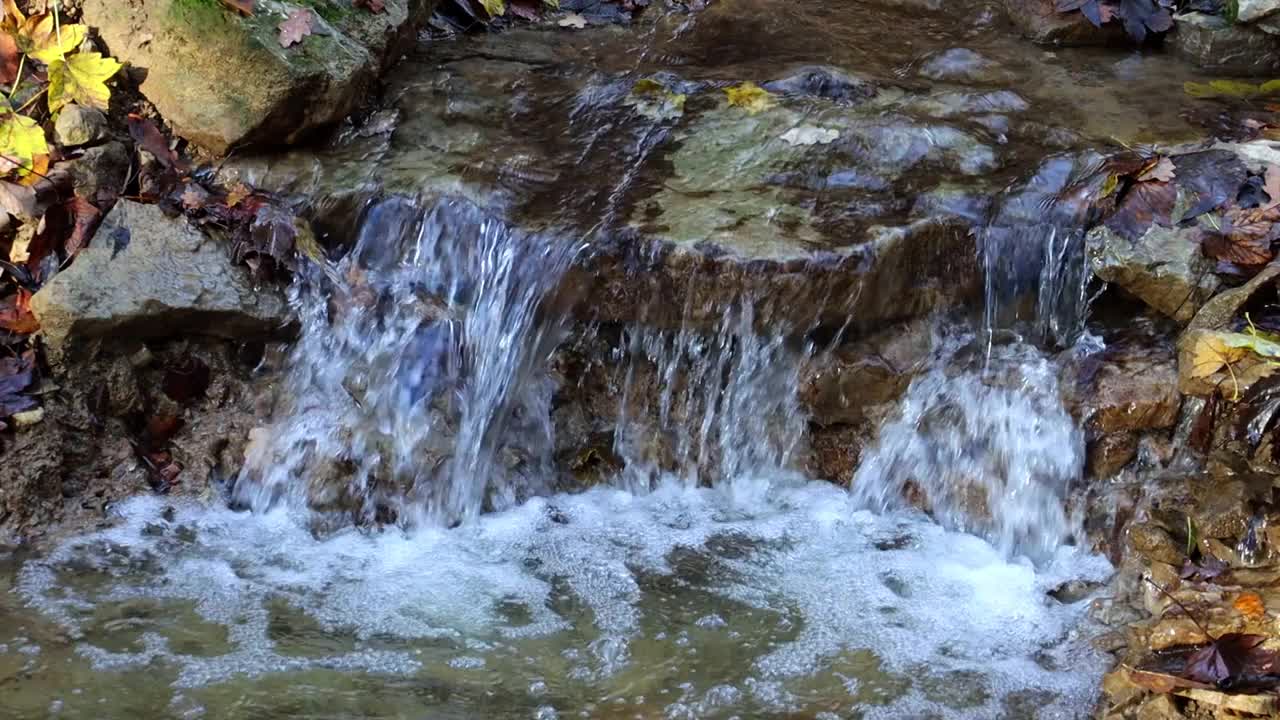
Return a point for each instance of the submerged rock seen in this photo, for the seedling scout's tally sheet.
(224, 81)
(146, 275)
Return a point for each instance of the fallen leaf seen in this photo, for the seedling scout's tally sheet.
(298, 26)
(495, 8)
(1241, 247)
(810, 135)
(81, 78)
(750, 97)
(148, 137)
(20, 249)
(160, 429)
(374, 6)
(18, 200)
(10, 59)
(653, 100)
(1250, 604)
(1160, 170)
(244, 7)
(15, 314)
(573, 20)
(49, 42)
(237, 194)
(85, 217)
(21, 140)
(1211, 353)
(1232, 655)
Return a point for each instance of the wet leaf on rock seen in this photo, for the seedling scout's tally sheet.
(750, 97)
(1232, 660)
(297, 26)
(495, 8)
(373, 6)
(1158, 169)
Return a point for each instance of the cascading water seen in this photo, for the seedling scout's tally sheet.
(986, 447)
(418, 387)
(726, 410)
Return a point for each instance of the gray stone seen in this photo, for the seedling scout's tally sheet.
(1250, 11)
(78, 125)
(1164, 268)
(100, 172)
(965, 66)
(1215, 44)
(223, 81)
(146, 275)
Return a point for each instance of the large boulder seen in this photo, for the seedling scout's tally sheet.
(1214, 43)
(224, 81)
(147, 275)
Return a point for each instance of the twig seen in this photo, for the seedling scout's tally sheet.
(1183, 608)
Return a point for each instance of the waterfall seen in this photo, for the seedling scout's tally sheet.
(726, 409)
(985, 446)
(417, 390)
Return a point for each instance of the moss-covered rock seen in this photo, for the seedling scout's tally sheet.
(224, 81)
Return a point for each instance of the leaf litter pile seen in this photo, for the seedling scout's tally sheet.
(47, 216)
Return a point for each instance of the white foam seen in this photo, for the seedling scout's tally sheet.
(936, 602)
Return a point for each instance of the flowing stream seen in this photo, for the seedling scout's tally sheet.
(406, 539)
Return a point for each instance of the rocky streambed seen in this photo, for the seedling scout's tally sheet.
(542, 275)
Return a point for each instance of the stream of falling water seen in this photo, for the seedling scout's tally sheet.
(719, 583)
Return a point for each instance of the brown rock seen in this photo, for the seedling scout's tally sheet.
(1154, 543)
(1110, 453)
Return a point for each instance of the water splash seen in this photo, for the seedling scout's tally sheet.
(418, 389)
(986, 446)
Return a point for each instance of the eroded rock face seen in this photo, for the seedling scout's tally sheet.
(223, 81)
(146, 275)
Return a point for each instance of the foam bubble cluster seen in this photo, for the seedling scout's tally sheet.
(699, 600)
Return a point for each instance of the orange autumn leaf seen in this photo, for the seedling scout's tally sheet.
(1250, 604)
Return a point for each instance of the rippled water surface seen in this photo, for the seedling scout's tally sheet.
(681, 603)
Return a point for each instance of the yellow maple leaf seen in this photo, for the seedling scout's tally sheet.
(47, 42)
(1210, 353)
(494, 7)
(750, 97)
(21, 141)
(81, 78)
